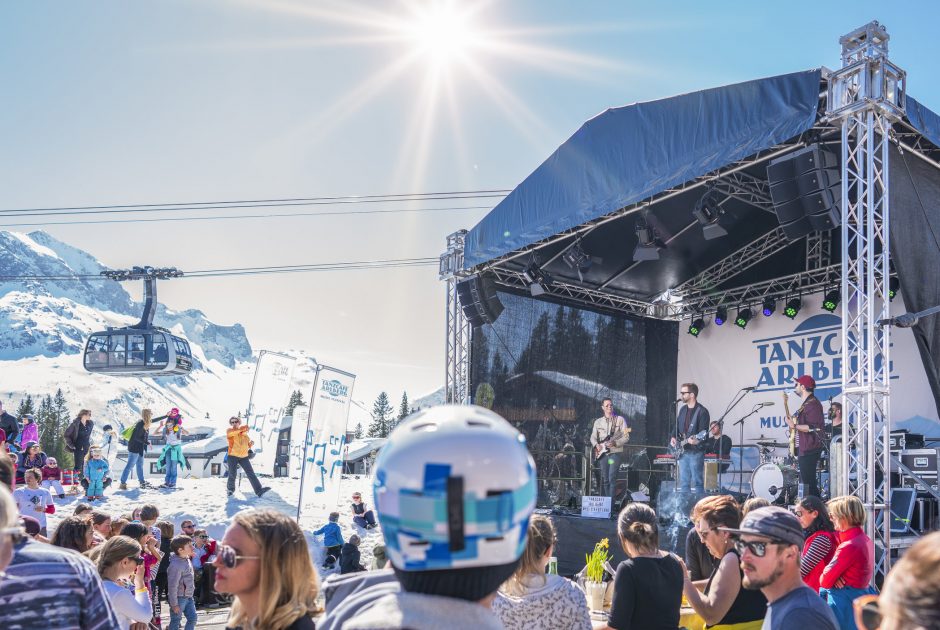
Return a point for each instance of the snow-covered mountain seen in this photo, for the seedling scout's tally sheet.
(44, 323)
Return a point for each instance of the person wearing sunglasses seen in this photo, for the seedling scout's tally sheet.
(769, 542)
(264, 562)
(821, 540)
(119, 561)
(361, 514)
(239, 454)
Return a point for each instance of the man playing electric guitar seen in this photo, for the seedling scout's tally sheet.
(809, 424)
(693, 419)
(608, 436)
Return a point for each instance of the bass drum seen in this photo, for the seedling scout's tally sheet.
(777, 484)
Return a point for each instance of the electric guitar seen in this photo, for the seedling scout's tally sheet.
(679, 448)
(603, 447)
(790, 430)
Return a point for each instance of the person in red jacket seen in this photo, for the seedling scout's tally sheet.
(850, 572)
(821, 541)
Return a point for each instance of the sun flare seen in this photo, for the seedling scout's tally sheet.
(442, 33)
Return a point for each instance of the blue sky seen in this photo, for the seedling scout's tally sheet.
(111, 102)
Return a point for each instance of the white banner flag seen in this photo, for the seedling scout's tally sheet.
(270, 391)
(325, 442)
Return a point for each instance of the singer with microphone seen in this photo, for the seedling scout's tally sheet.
(809, 424)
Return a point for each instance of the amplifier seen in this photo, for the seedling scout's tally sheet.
(922, 462)
(900, 440)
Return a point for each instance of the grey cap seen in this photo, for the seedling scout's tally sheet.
(773, 522)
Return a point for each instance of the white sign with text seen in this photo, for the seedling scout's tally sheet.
(595, 507)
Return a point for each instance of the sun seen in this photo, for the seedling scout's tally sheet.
(442, 33)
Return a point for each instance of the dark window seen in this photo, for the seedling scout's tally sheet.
(215, 469)
(117, 351)
(159, 354)
(135, 347)
(96, 353)
(153, 468)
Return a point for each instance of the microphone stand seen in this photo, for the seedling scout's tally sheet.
(741, 445)
(721, 425)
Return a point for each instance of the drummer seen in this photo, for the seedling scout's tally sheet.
(719, 445)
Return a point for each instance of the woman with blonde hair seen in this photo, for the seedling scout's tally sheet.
(119, 561)
(9, 527)
(136, 447)
(532, 599)
(848, 575)
(263, 560)
(724, 603)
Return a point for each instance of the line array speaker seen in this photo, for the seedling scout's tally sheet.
(479, 301)
(806, 190)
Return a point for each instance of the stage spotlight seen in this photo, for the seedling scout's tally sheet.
(578, 260)
(721, 315)
(696, 326)
(793, 307)
(894, 285)
(537, 279)
(708, 213)
(744, 316)
(769, 306)
(831, 300)
(648, 244)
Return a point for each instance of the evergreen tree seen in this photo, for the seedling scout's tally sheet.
(296, 400)
(381, 417)
(403, 410)
(358, 434)
(26, 406)
(58, 423)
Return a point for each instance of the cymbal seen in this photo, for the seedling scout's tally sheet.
(770, 444)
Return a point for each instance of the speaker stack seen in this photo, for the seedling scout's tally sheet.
(806, 190)
(478, 300)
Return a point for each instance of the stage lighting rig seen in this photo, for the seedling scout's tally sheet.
(648, 242)
(537, 279)
(792, 308)
(696, 327)
(769, 306)
(576, 258)
(708, 213)
(894, 285)
(744, 316)
(831, 300)
(721, 315)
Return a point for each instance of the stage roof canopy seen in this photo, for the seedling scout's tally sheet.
(656, 160)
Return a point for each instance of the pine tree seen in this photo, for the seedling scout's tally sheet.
(403, 410)
(381, 417)
(58, 423)
(358, 434)
(296, 400)
(26, 406)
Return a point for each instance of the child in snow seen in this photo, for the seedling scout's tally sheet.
(52, 477)
(172, 456)
(332, 540)
(96, 469)
(180, 583)
(349, 558)
(30, 431)
(34, 500)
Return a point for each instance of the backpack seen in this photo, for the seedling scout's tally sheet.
(127, 433)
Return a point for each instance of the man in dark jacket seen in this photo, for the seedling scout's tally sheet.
(9, 425)
(349, 556)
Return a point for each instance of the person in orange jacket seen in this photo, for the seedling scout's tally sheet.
(239, 447)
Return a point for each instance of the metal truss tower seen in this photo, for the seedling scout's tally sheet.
(866, 95)
(457, 359)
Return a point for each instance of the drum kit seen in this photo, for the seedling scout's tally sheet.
(775, 478)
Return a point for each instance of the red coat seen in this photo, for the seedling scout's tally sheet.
(853, 561)
(811, 579)
(207, 551)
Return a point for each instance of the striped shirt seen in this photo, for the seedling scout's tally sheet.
(53, 588)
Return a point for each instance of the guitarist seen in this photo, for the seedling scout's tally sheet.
(809, 424)
(693, 419)
(608, 436)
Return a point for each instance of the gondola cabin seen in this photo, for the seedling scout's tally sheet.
(137, 352)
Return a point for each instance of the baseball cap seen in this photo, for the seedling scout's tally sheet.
(806, 381)
(773, 522)
(31, 525)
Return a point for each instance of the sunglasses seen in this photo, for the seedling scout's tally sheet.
(203, 537)
(867, 612)
(230, 558)
(138, 559)
(758, 548)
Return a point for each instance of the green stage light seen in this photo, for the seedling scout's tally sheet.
(696, 326)
(744, 316)
(793, 307)
(831, 301)
(894, 285)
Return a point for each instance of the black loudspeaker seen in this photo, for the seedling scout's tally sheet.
(806, 190)
(479, 301)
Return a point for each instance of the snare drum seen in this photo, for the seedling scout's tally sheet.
(774, 483)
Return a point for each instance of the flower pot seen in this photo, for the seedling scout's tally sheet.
(595, 594)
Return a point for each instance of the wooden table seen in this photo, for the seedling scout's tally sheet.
(688, 618)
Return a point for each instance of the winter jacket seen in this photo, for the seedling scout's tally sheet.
(10, 426)
(349, 559)
(96, 469)
(332, 535)
(176, 452)
(48, 472)
(853, 561)
(139, 440)
(818, 551)
(238, 441)
(30, 434)
(422, 612)
(78, 435)
(179, 579)
(206, 552)
(23, 464)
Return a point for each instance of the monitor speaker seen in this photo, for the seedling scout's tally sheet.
(479, 301)
(806, 189)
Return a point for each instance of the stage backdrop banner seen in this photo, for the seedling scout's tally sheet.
(771, 351)
(270, 391)
(325, 444)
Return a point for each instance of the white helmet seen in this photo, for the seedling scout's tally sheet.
(454, 489)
